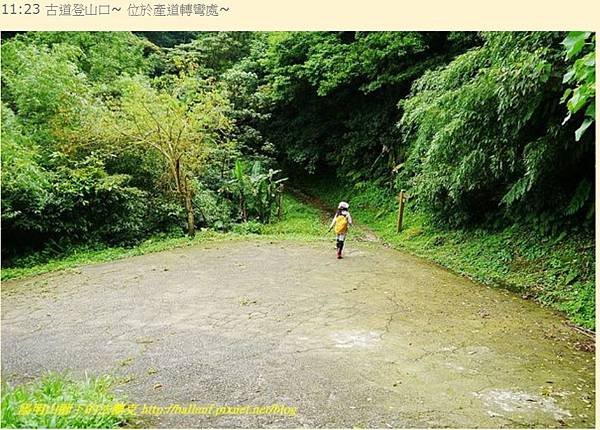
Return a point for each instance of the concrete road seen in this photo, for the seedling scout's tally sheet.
(378, 339)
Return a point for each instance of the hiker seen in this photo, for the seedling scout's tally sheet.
(341, 221)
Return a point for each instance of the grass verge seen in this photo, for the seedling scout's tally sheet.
(56, 401)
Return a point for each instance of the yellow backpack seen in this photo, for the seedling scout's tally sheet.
(341, 224)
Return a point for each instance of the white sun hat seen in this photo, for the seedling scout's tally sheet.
(343, 205)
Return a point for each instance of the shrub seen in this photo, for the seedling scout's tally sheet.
(249, 227)
(58, 390)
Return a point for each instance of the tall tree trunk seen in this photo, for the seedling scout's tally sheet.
(189, 208)
(186, 193)
(243, 207)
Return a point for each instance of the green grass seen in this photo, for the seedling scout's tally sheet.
(558, 272)
(56, 401)
(299, 222)
(30, 266)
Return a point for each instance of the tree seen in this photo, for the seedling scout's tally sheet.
(40, 84)
(485, 132)
(25, 183)
(209, 54)
(257, 191)
(102, 55)
(183, 124)
(582, 74)
(336, 95)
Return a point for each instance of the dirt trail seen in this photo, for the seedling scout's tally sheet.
(377, 339)
(360, 232)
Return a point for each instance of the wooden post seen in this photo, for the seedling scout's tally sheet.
(280, 203)
(401, 199)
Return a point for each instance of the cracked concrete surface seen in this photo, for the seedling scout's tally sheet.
(379, 339)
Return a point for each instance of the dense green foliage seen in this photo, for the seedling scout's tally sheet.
(472, 124)
(485, 134)
(336, 95)
(20, 403)
(107, 138)
(111, 138)
(582, 73)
